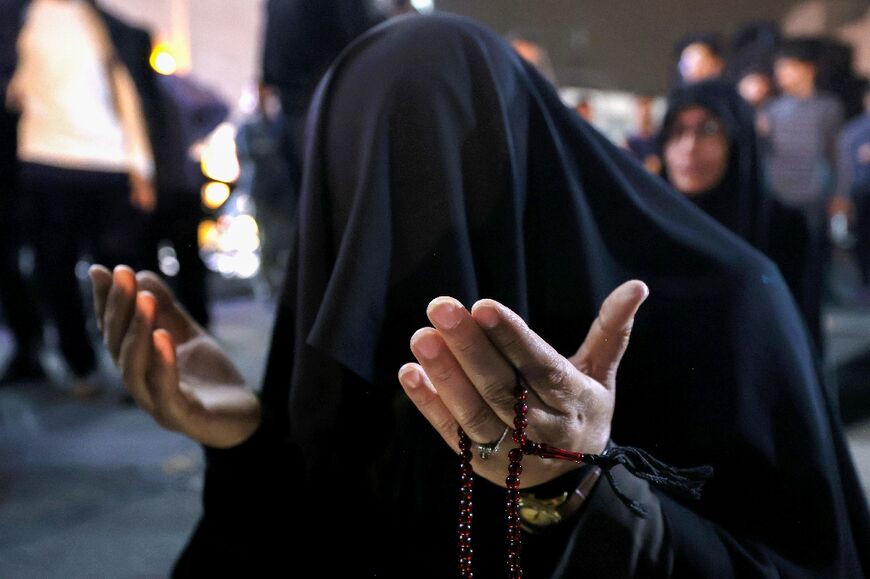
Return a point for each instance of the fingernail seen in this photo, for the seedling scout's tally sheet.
(145, 301)
(426, 344)
(644, 291)
(486, 316)
(445, 313)
(121, 280)
(409, 377)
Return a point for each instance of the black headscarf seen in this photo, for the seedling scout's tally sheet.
(440, 164)
(738, 201)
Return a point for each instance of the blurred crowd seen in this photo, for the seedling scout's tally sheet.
(103, 161)
(101, 154)
(787, 166)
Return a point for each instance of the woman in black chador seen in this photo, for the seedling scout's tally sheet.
(710, 154)
(439, 164)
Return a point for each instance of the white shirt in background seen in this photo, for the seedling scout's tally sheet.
(78, 110)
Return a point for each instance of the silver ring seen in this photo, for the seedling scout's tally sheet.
(490, 448)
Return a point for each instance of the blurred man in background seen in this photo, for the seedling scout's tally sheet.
(801, 128)
(88, 102)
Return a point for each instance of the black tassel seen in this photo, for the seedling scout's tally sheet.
(682, 482)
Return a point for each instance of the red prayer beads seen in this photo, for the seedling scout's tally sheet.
(513, 535)
(512, 484)
(466, 496)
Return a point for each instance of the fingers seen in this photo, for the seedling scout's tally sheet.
(484, 366)
(101, 281)
(163, 382)
(550, 375)
(148, 280)
(607, 340)
(170, 315)
(422, 393)
(120, 305)
(470, 360)
(455, 390)
(136, 351)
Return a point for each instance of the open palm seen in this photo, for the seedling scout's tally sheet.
(173, 369)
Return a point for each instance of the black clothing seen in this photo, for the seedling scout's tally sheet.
(301, 40)
(738, 201)
(133, 49)
(266, 176)
(642, 147)
(191, 113)
(800, 247)
(19, 309)
(862, 235)
(440, 164)
(752, 49)
(72, 212)
(176, 220)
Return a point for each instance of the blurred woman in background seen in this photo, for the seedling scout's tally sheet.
(710, 154)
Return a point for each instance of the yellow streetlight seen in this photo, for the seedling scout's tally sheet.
(163, 59)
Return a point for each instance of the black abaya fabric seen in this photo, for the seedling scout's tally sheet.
(440, 164)
(738, 201)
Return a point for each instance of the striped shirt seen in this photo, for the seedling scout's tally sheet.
(802, 148)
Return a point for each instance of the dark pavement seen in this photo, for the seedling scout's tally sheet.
(95, 489)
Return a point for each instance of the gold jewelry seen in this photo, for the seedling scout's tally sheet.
(538, 514)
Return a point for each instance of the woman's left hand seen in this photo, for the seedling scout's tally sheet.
(466, 378)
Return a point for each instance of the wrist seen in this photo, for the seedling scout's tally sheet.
(226, 417)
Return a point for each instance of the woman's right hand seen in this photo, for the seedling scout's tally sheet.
(172, 368)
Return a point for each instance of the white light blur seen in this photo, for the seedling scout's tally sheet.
(249, 99)
(230, 245)
(170, 266)
(168, 261)
(247, 265)
(214, 194)
(219, 161)
(239, 265)
(423, 6)
(241, 235)
(243, 203)
(225, 265)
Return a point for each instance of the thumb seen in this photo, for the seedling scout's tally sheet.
(601, 351)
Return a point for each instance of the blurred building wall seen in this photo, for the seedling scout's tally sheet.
(847, 20)
(218, 41)
(616, 44)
